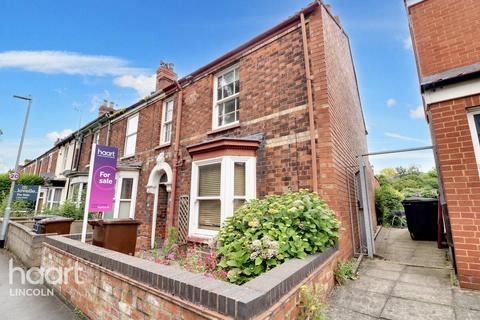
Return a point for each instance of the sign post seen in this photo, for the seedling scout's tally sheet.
(101, 182)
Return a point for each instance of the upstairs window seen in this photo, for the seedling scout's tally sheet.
(167, 115)
(131, 136)
(226, 97)
(96, 137)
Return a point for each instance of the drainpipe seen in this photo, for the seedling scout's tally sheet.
(176, 164)
(310, 104)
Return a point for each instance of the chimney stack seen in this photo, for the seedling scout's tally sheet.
(106, 107)
(165, 75)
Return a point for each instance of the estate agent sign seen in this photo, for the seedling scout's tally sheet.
(25, 193)
(102, 178)
(101, 182)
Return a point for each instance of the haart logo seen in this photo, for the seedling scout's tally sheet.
(105, 154)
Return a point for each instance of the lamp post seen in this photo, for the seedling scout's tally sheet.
(8, 209)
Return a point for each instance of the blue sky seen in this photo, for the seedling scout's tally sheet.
(70, 58)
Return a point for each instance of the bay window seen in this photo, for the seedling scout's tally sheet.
(166, 128)
(219, 187)
(226, 97)
(131, 136)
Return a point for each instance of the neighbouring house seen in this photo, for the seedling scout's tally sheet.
(280, 113)
(446, 40)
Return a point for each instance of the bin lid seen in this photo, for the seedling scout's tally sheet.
(55, 220)
(41, 217)
(99, 222)
(419, 199)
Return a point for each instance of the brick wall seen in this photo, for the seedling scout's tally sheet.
(339, 121)
(446, 34)
(118, 286)
(461, 183)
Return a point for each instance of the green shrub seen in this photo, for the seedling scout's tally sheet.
(68, 209)
(25, 179)
(388, 199)
(18, 208)
(265, 233)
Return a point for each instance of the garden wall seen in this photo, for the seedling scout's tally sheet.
(27, 245)
(118, 286)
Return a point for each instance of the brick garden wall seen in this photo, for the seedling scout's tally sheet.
(117, 286)
(461, 183)
(446, 34)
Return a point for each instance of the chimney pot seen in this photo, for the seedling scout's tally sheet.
(106, 107)
(165, 75)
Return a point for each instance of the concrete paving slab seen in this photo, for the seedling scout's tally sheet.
(423, 280)
(440, 295)
(380, 264)
(403, 309)
(464, 314)
(466, 299)
(335, 313)
(382, 274)
(372, 284)
(369, 303)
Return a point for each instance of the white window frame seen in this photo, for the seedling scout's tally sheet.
(65, 157)
(118, 190)
(164, 122)
(96, 137)
(226, 190)
(473, 130)
(216, 101)
(49, 165)
(51, 196)
(127, 135)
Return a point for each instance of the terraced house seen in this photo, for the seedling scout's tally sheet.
(281, 112)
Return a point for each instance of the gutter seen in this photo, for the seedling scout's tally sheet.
(311, 119)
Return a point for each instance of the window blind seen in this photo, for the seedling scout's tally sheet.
(239, 179)
(209, 214)
(209, 180)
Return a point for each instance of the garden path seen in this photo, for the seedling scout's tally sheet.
(411, 280)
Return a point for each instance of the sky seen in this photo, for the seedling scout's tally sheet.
(71, 58)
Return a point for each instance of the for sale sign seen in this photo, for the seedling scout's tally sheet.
(25, 193)
(103, 164)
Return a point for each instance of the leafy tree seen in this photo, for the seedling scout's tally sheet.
(388, 172)
(25, 179)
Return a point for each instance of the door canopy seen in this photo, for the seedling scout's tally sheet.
(161, 168)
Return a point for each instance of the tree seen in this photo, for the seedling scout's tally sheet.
(388, 172)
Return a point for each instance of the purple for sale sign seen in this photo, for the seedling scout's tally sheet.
(103, 164)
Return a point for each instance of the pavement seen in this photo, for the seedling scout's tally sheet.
(412, 280)
(15, 305)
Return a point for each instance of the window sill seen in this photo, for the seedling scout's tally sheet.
(164, 145)
(226, 128)
(199, 238)
(127, 157)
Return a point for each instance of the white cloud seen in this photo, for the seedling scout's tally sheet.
(391, 102)
(407, 43)
(406, 138)
(417, 113)
(98, 99)
(55, 135)
(144, 85)
(64, 62)
(31, 148)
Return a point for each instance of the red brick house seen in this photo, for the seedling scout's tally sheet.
(258, 120)
(446, 41)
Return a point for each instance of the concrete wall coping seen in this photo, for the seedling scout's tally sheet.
(240, 302)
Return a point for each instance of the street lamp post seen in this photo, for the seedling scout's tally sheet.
(8, 209)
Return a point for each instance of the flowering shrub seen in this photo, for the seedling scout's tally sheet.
(265, 233)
